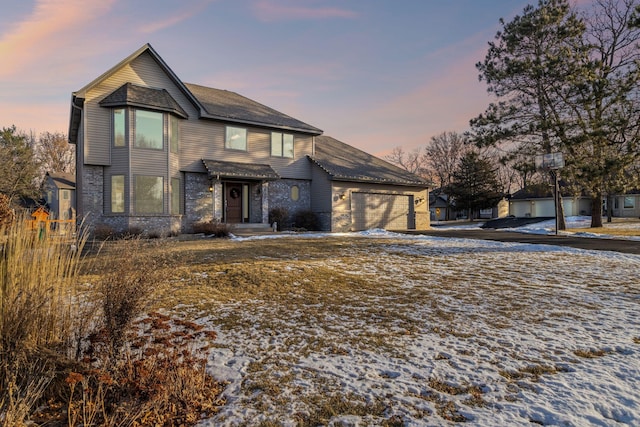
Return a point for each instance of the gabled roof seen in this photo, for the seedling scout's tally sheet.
(63, 180)
(230, 106)
(140, 96)
(345, 163)
(234, 170)
(77, 97)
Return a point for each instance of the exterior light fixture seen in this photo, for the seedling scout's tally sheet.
(343, 196)
(210, 188)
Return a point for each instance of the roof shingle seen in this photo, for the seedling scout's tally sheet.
(230, 106)
(346, 163)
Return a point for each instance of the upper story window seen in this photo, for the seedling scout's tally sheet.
(236, 138)
(173, 134)
(282, 144)
(119, 121)
(149, 130)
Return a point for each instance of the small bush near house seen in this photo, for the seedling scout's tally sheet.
(306, 221)
(213, 228)
(279, 216)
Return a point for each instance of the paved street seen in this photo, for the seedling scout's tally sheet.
(617, 245)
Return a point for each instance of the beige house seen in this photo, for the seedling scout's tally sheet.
(60, 194)
(162, 155)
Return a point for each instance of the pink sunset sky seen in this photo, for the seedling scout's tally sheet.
(376, 74)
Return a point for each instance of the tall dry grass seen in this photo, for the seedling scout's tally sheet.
(38, 313)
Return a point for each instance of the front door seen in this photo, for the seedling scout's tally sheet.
(233, 203)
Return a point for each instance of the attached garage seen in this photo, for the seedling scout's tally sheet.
(379, 210)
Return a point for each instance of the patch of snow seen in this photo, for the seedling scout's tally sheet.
(539, 307)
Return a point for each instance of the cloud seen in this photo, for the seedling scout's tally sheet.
(45, 30)
(270, 11)
(175, 19)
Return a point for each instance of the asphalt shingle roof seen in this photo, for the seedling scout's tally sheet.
(63, 180)
(220, 169)
(227, 105)
(346, 163)
(140, 96)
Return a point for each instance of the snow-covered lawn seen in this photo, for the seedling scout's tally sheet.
(389, 329)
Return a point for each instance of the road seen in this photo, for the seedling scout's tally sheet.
(616, 245)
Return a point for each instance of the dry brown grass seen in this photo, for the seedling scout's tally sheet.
(347, 296)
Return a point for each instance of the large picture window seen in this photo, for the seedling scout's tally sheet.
(236, 138)
(173, 134)
(117, 194)
(149, 132)
(148, 194)
(175, 196)
(119, 127)
(282, 145)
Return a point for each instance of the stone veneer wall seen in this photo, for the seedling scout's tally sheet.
(280, 195)
(199, 202)
(92, 195)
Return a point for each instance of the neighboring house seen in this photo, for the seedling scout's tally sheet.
(627, 205)
(162, 155)
(439, 205)
(60, 194)
(537, 201)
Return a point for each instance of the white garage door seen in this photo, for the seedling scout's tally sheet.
(376, 210)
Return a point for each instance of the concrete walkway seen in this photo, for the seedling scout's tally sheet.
(616, 245)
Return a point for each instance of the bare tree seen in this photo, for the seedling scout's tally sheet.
(413, 161)
(55, 153)
(443, 153)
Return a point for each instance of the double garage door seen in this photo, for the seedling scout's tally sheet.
(379, 210)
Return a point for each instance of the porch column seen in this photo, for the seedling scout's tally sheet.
(265, 202)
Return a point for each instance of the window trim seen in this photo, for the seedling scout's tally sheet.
(111, 195)
(175, 184)
(174, 130)
(136, 208)
(227, 138)
(162, 130)
(124, 126)
(631, 204)
(280, 153)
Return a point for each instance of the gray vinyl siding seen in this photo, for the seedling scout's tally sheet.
(144, 71)
(204, 139)
(321, 187)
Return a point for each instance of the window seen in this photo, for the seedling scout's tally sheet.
(282, 145)
(148, 194)
(173, 134)
(236, 138)
(295, 193)
(149, 132)
(65, 194)
(119, 127)
(175, 196)
(629, 202)
(117, 194)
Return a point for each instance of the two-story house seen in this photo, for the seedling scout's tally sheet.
(161, 155)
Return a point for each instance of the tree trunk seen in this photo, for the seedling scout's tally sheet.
(596, 210)
(562, 224)
(560, 221)
(609, 208)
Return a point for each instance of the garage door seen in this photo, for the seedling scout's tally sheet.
(376, 210)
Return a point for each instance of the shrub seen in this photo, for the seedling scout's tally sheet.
(213, 228)
(7, 215)
(280, 216)
(103, 232)
(306, 220)
(37, 320)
